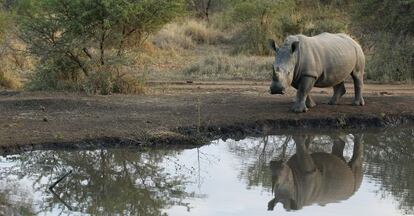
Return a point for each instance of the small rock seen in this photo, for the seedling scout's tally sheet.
(45, 119)
(385, 93)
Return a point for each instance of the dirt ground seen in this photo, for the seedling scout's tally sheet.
(169, 112)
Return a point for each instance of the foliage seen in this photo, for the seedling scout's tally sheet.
(186, 34)
(392, 58)
(258, 20)
(10, 61)
(387, 34)
(78, 38)
(395, 16)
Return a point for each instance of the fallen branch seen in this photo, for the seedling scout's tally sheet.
(56, 195)
(59, 180)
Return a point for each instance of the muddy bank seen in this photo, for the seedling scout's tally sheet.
(190, 116)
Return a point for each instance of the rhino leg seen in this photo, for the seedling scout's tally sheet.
(338, 147)
(358, 151)
(358, 85)
(310, 102)
(339, 91)
(305, 160)
(357, 159)
(305, 85)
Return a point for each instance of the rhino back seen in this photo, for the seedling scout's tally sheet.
(330, 58)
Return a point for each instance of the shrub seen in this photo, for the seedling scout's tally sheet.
(107, 82)
(81, 38)
(258, 20)
(392, 59)
(201, 33)
(171, 37)
(186, 35)
(8, 80)
(386, 30)
(11, 62)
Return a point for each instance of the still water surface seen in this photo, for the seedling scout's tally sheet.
(325, 174)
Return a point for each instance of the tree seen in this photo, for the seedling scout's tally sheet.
(201, 7)
(88, 36)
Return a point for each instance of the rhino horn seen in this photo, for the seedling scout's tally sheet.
(274, 76)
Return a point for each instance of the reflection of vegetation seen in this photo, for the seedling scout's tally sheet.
(9, 207)
(256, 171)
(390, 160)
(106, 181)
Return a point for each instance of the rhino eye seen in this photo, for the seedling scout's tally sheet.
(294, 46)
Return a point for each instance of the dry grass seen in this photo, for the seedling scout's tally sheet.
(200, 32)
(108, 82)
(9, 80)
(222, 66)
(14, 65)
(186, 35)
(172, 37)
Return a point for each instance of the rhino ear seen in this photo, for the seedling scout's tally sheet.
(272, 45)
(294, 46)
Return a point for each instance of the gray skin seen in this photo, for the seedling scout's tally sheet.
(316, 178)
(324, 60)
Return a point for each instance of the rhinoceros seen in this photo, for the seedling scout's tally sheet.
(324, 60)
(316, 178)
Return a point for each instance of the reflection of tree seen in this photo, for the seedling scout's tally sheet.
(13, 207)
(390, 161)
(123, 182)
(255, 155)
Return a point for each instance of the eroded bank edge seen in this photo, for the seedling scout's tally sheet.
(197, 135)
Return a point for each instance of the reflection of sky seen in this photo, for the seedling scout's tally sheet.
(223, 192)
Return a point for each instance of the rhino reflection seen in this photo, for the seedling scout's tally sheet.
(316, 178)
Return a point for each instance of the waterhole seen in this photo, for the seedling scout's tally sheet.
(334, 173)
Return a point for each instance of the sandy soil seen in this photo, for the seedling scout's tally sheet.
(171, 111)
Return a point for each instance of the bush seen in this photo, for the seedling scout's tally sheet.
(201, 33)
(106, 83)
(386, 29)
(171, 37)
(11, 62)
(392, 59)
(257, 20)
(186, 35)
(251, 39)
(395, 16)
(8, 80)
(79, 39)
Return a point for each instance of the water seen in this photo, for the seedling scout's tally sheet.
(224, 178)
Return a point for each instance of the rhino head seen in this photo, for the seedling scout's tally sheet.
(282, 186)
(284, 65)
